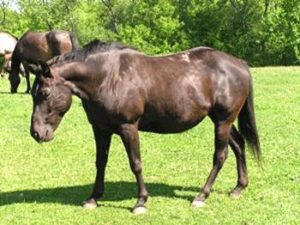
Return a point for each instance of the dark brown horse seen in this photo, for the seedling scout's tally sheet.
(124, 91)
(33, 47)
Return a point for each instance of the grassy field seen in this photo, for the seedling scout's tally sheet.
(45, 184)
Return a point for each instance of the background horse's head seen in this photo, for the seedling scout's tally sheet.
(51, 100)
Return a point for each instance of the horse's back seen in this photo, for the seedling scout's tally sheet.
(201, 68)
(173, 90)
(183, 88)
(230, 82)
(34, 46)
(172, 93)
(60, 42)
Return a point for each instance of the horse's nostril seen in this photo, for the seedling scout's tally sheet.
(36, 135)
(47, 131)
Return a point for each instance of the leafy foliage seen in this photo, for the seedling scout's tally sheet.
(265, 32)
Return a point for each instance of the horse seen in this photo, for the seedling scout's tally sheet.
(124, 91)
(35, 46)
(7, 45)
(7, 64)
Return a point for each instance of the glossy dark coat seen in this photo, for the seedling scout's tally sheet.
(33, 47)
(124, 91)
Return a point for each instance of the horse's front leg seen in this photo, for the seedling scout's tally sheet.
(130, 138)
(103, 140)
(222, 133)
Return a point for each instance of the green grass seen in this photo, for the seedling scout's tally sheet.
(45, 184)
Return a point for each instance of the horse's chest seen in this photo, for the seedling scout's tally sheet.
(101, 116)
(95, 114)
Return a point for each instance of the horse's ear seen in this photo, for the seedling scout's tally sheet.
(45, 69)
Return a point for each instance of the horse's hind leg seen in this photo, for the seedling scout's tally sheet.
(237, 143)
(222, 134)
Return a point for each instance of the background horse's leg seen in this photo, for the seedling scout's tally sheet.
(22, 70)
(222, 133)
(2, 72)
(103, 140)
(130, 138)
(27, 74)
(5, 62)
(237, 144)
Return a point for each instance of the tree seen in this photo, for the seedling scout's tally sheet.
(262, 32)
(153, 26)
(3, 7)
(48, 15)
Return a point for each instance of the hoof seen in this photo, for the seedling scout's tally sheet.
(139, 210)
(235, 194)
(198, 204)
(90, 204)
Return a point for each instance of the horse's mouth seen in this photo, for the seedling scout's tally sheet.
(48, 136)
(42, 140)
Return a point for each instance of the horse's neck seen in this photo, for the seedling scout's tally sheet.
(77, 78)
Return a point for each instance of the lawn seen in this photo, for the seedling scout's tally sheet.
(46, 183)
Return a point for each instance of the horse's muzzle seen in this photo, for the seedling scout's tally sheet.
(40, 137)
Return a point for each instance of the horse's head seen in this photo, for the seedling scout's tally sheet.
(51, 100)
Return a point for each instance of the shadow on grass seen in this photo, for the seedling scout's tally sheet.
(9, 93)
(74, 195)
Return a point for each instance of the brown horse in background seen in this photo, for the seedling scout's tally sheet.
(38, 46)
(7, 45)
(124, 91)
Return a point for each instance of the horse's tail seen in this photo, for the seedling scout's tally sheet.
(74, 41)
(247, 125)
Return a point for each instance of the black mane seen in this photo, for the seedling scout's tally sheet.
(95, 46)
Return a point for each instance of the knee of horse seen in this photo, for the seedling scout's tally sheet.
(100, 165)
(136, 167)
(219, 158)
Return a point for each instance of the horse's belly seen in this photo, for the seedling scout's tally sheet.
(165, 126)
